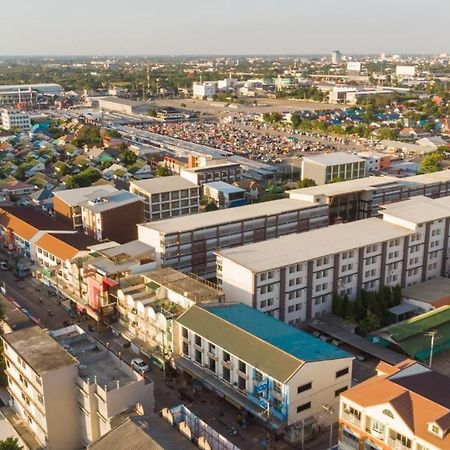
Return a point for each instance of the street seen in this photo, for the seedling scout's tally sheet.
(50, 313)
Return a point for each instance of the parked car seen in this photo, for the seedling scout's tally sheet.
(4, 265)
(139, 365)
(362, 356)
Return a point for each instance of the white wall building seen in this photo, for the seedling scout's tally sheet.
(15, 119)
(166, 197)
(188, 243)
(294, 277)
(260, 363)
(204, 89)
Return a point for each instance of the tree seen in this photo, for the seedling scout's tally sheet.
(151, 112)
(431, 163)
(162, 171)
(127, 157)
(211, 206)
(113, 134)
(306, 182)
(10, 444)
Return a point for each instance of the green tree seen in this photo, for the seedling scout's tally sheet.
(306, 182)
(151, 112)
(337, 304)
(127, 157)
(113, 134)
(431, 163)
(370, 323)
(211, 206)
(10, 444)
(162, 171)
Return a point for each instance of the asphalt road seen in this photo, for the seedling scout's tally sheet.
(219, 414)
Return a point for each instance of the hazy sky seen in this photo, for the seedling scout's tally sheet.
(77, 27)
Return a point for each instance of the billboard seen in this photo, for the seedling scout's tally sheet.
(405, 71)
(354, 66)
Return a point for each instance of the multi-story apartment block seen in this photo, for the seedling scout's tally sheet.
(107, 388)
(66, 204)
(166, 197)
(294, 277)
(42, 380)
(224, 195)
(147, 305)
(404, 407)
(213, 170)
(328, 167)
(112, 215)
(362, 198)
(260, 363)
(188, 243)
(68, 388)
(15, 119)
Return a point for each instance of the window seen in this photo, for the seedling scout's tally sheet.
(304, 388)
(242, 367)
(342, 372)
(184, 332)
(226, 356)
(212, 348)
(277, 387)
(258, 375)
(198, 340)
(435, 429)
(303, 407)
(339, 391)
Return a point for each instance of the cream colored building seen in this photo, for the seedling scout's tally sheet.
(294, 277)
(403, 407)
(42, 380)
(148, 303)
(166, 197)
(260, 363)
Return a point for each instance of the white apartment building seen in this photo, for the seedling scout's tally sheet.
(261, 364)
(15, 119)
(148, 303)
(204, 89)
(330, 166)
(294, 277)
(213, 170)
(403, 407)
(166, 197)
(188, 243)
(67, 388)
(39, 371)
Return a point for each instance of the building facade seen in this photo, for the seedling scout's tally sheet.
(13, 119)
(295, 277)
(166, 197)
(291, 378)
(188, 243)
(403, 407)
(326, 168)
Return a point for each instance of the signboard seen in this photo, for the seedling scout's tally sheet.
(353, 66)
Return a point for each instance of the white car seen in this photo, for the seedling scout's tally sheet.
(139, 365)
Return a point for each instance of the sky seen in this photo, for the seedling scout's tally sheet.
(177, 27)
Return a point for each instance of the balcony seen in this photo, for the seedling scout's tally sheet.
(397, 445)
(351, 418)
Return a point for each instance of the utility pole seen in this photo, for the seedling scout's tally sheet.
(330, 411)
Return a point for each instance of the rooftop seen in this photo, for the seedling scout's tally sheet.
(332, 159)
(120, 101)
(417, 395)
(271, 346)
(430, 291)
(103, 200)
(163, 184)
(295, 248)
(223, 216)
(221, 186)
(27, 221)
(65, 245)
(194, 289)
(418, 209)
(74, 197)
(41, 352)
(143, 433)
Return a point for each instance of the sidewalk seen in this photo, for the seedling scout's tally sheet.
(28, 439)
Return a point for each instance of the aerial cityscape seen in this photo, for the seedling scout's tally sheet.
(225, 226)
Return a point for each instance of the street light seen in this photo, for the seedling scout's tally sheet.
(330, 411)
(432, 334)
